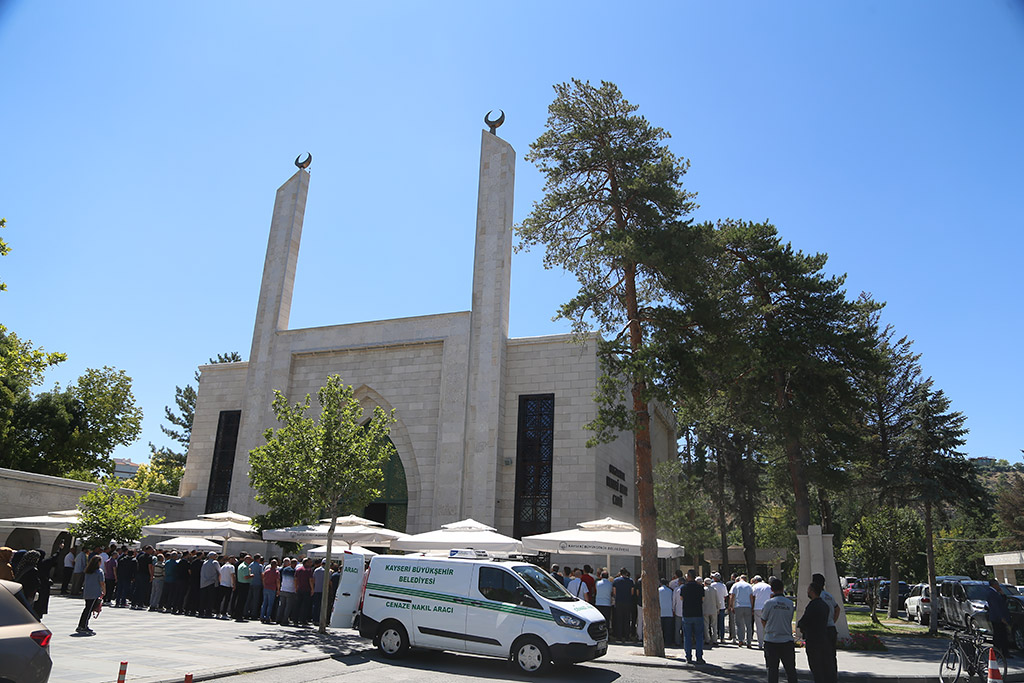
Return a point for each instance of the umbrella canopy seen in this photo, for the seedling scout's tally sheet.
(225, 530)
(188, 543)
(338, 550)
(317, 533)
(465, 534)
(606, 536)
(352, 520)
(53, 521)
(227, 516)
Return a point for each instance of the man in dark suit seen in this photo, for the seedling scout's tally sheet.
(821, 656)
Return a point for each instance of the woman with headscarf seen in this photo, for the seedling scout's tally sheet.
(27, 574)
(45, 566)
(6, 571)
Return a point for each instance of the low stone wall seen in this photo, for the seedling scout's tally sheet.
(24, 494)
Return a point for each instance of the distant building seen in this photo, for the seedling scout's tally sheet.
(125, 468)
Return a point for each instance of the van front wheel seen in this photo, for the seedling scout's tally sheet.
(392, 640)
(530, 654)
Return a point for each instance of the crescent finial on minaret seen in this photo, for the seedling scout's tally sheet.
(493, 125)
(306, 163)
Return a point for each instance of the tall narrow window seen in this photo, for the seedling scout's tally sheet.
(223, 461)
(535, 446)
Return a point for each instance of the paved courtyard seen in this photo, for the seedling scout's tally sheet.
(161, 647)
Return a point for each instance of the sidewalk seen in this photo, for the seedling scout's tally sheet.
(163, 648)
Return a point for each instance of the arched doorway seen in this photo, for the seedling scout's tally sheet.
(392, 508)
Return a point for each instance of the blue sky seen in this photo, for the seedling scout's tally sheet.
(142, 144)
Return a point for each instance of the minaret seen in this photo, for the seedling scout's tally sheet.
(269, 370)
(492, 267)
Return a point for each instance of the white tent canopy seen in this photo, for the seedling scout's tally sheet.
(467, 533)
(226, 526)
(352, 520)
(338, 550)
(344, 533)
(53, 521)
(188, 543)
(606, 536)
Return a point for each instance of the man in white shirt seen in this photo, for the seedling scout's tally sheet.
(69, 567)
(762, 592)
(577, 587)
(741, 604)
(711, 601)
(603, 599)
(777, 621)
(665, 603)
(677, 612)
(723, 599)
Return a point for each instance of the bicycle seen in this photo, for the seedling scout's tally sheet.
(967, 651)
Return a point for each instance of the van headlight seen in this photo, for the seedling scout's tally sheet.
(568, 620)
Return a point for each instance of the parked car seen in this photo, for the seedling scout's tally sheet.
(857, 592)
(24, 642)
(883, 594)
(918, 604)
(962, 602)
(1015, 606)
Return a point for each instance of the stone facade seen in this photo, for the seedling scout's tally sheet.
(454, 380)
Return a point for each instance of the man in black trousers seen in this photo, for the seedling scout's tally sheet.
(821, 656)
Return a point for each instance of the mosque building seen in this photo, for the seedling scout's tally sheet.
(488, 427)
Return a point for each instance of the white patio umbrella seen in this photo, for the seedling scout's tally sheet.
(52, 521)
(223, 527)
(352, 520)
(349, 534)
(188, 543)
(338, 550)
(606, 536)
(467, 533)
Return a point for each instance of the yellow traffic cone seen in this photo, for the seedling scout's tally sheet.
(993, 666)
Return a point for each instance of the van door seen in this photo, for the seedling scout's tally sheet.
(497, 615)
(437, 601)
(346, 602)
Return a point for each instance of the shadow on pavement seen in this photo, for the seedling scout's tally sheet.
(488, 667)
(306, 639)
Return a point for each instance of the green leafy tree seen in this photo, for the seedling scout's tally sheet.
(74, 428)
(886, 533)
(684, 506)
(110, 516)
(161, 475)
(22, 367)
(935, 472)
(609, 179)
(315, 466)
(1010, 506)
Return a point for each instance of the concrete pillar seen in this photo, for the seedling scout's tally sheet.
(269, 370)
(818, 557)
(492, 268)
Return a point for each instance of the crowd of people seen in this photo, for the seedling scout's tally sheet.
(696, 613)
(286, 591)
(703, 613)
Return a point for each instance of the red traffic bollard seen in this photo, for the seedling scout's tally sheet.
(188, 678)
(121, 674)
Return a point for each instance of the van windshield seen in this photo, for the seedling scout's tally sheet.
(545, 586)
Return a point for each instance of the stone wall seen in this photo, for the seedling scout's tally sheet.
(25, 494)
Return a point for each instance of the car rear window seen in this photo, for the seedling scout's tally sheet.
(12, 609)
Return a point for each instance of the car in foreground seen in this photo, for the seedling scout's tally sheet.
(24, 642)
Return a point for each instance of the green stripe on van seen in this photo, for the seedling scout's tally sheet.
(462, 600)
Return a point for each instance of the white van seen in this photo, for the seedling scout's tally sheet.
(469, 603)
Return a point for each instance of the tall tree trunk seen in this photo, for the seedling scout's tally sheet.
(722, 528)
(929, 549)
(326, 594)
(801, 496)
(654, 644)
(825, 510)
(894, 585)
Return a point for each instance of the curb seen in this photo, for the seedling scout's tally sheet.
(211, 674)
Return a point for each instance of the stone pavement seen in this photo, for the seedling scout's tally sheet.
(162, 647)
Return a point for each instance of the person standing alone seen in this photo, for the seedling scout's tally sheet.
(821, 656)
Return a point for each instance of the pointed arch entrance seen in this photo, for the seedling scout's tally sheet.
(392, 508)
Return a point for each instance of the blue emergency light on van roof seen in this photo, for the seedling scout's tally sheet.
(469, 554)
